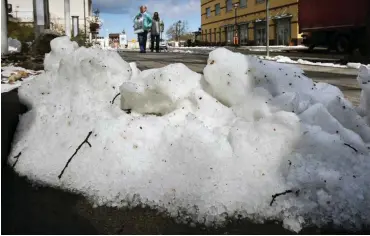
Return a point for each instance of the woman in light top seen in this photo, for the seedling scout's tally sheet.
(142, 24)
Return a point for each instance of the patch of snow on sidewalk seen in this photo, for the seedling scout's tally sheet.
(284, 59)
(250, 138)
(12, 77)
(274, 48)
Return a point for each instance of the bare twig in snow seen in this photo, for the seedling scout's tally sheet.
(279, 194)
(78, 148)
(348, 145)
(16, 157)
(115, 97)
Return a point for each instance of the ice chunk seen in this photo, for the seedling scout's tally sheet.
(159, 91)
(364, 82)
(227, 75)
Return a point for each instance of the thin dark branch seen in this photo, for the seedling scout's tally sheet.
(115, 97)
(128, 111)
(348, 145)
(279, 194)
(70, 159)
(16, 157)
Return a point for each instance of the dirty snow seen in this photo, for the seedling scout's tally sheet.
(200, 147)
(12, 77)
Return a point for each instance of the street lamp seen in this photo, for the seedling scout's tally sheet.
(267, 28)
(236, 5)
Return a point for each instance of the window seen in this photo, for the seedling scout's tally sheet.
(219, 35)
(243, 3)
(230, 34)
(210, 35)
(260, 1)
(214, 34)
(283, 28)
(208, 12)
(217, 9)
(205, 35)
(260, 33)
(229, 5)
(243, 34)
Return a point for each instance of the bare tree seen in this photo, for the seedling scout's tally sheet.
(177, 30)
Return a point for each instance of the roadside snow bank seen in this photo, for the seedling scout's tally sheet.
(250, 138)
(284, 59)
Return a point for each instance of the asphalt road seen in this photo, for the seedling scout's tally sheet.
(29, 209)
(346, 82)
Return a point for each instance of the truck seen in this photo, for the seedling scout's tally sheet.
(340, 25)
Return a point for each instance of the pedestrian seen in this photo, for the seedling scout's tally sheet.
(142, 24)
(155, 32)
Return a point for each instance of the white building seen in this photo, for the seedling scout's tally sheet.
(23, 11)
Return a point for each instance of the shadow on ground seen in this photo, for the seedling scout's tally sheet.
(28, 209)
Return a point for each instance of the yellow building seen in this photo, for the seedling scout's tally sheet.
(218, 21)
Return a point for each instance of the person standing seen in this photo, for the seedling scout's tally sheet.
(155, 32)
(142, 24)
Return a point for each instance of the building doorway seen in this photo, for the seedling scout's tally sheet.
(243, 34)
(229, 34)
(283, 29)
(260, 33)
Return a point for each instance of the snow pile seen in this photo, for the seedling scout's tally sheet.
(14, 45)
(250, 138)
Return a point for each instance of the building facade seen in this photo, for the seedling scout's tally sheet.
(22, 10)
(219, 17)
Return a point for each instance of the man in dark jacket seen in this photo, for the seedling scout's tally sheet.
(155, 32)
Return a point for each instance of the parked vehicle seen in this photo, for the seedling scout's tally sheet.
(341, 25)
(163, 45)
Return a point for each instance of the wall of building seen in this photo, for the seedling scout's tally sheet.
(282, 12)
(23, 10)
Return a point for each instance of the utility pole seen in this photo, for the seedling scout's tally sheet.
(4, 27)
(46, 14)
(267, 28)
(67, 17)
(85, 19)
(39, 17)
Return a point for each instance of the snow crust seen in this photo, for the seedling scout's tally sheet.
(200, 147)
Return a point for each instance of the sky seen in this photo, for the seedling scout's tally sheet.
(118, 14)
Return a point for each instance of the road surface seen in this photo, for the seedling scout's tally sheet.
(196, 62)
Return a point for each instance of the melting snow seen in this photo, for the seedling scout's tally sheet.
(249, 138)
